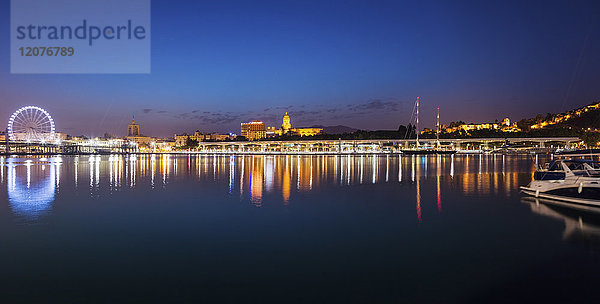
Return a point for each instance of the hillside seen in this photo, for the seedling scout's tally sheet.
(584, 118)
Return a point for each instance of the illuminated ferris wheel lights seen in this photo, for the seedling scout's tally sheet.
(31, 124)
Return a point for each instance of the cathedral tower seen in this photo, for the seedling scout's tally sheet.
(133, 129)
(286, 125)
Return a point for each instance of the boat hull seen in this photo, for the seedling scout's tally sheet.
(582, 200)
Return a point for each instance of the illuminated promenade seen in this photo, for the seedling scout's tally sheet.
(383, 146)
(378, 146)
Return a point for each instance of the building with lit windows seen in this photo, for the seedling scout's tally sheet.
(253, 130)
(180, 140)
(306, 131)
(133, 134)
(504, 126)
(287, 124)
(286, 129)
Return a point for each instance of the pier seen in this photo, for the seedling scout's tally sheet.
(385, 145)
(65, 147)
(464, 145)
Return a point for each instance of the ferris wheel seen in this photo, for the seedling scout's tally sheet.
(31, 124)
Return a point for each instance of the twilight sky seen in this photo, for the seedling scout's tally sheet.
(356, 63)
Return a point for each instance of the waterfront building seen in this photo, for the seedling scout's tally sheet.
(286, 129)
(60, 136)
(97, 142)
(180, 140)
(273, 132)
(306, 131)
(160, 145)
(254, 130)
(141, 140)
(218, 137)
(133, 134)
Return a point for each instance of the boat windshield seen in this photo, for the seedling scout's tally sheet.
(574, 165)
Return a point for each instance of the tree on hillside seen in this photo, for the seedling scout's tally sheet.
(455, 124)
(402, 131)
(538, 118)
(410, 132)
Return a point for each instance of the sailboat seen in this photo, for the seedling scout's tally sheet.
(424, 150)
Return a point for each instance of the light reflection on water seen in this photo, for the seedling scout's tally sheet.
(32, 183)
(454, 223)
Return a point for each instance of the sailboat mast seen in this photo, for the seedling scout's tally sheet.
(437, 129)
(417, 124)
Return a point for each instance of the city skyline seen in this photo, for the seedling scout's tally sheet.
(284, 126)
(355, 64)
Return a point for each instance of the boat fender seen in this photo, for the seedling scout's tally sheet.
(580, 188)
(537, 193)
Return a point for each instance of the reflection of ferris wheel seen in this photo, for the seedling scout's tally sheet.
(31, 124)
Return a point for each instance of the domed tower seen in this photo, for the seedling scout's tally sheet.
(286, 125)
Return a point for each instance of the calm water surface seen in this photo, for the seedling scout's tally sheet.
(445, 229)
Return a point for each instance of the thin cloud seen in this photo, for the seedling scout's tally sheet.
(376, 105)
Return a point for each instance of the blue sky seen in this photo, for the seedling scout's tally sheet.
(356, 63)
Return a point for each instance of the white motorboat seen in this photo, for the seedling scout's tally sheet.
(574, 181)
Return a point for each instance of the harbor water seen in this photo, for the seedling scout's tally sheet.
(288, 228)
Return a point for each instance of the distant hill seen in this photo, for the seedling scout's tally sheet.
(339, 129)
